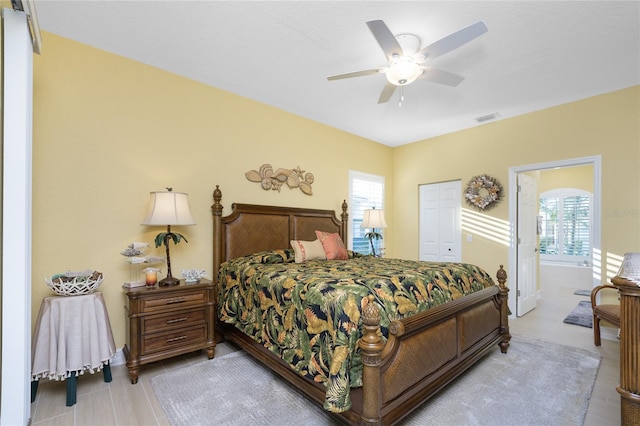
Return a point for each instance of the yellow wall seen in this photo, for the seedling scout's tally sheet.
(578, 177)
(108, 130)
(607, 125)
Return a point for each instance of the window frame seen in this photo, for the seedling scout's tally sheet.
(364, 202)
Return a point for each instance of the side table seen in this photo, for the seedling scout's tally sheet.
(72, 335)
(163, 322)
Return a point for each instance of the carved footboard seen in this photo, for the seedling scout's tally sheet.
(426, 351)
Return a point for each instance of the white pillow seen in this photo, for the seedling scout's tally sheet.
(308, 250)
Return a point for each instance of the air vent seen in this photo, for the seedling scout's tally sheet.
(487, 117)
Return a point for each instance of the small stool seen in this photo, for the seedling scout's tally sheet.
(72, 335)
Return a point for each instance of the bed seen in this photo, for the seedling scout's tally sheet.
(383, 359)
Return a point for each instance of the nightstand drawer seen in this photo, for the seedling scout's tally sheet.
(177, 301)
(173, 339)
(161, 322)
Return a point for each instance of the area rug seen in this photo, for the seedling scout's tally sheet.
(581, 315)
(582, 292)
(535, 383)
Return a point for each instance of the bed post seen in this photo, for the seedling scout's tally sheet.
(344, 216)
(216, 209)
(504, 309)
(371, 346)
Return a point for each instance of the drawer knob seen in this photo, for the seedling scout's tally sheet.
(174, 301)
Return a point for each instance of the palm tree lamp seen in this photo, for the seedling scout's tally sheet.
(168, 208)
(373, 219)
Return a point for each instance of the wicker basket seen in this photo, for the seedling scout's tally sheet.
(74, 286)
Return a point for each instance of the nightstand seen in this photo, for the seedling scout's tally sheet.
(163, 322)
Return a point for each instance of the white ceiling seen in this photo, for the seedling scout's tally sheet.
(536, 54)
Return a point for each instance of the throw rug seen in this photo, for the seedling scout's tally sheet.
(581, 315)
(582, 292)
(534, 383)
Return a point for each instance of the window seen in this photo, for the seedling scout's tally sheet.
(565, 225)
(365, 192)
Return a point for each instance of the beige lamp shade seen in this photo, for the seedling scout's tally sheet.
(630, 268)
(373, 219)
(168, 208)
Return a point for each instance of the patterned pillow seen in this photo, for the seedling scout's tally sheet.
(307, 250)
(333, 246)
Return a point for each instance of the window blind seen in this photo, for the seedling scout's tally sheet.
(566, 224)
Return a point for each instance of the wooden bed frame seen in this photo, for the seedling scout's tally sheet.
(423, 353)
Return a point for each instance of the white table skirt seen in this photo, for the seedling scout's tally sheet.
(72, 334)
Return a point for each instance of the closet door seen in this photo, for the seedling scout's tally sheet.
(440, 231)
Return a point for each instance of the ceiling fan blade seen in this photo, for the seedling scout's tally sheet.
(385, 38)
(452, 41)
(353, 74)
(442, 77)
(387, 92)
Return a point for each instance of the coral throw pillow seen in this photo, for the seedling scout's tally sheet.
(307, 250)
(333, 246)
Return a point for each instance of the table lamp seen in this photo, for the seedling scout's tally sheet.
(373, 219)
(168, 208)
(630, 267)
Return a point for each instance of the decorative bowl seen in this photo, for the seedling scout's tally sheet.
(70, 285)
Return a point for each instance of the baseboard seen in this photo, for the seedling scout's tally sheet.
(609, 333)
(118, 358)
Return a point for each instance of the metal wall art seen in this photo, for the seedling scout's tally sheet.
(294, 178)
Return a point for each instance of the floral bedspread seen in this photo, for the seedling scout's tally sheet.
(309, 313)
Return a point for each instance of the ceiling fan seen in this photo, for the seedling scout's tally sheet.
(407, 60)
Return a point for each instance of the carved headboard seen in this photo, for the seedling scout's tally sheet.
(252, 228)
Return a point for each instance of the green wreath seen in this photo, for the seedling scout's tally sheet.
(483, 192)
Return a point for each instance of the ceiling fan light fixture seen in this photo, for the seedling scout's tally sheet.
(403, 71)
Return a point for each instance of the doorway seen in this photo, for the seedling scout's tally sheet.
(518, 284)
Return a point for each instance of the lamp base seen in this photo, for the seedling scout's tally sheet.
(166, 281)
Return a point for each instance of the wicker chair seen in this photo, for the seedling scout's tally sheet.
(608, 313)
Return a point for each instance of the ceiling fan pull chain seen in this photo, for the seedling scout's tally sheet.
(401, 96)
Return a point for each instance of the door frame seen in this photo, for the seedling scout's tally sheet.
(17, 75)
(596, 162)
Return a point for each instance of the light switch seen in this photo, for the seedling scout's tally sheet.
(469, 238)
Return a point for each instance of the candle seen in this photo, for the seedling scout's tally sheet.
(152, 277)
